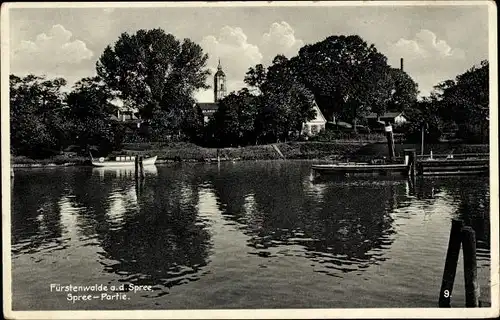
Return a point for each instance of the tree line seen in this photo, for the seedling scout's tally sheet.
(158, 75)
(459, 107)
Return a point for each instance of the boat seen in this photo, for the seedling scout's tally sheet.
(122, 161)
(368, 169)
(358, 168)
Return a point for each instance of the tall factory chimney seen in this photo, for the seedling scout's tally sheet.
(401, 64)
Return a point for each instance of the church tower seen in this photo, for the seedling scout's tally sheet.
(219, 84)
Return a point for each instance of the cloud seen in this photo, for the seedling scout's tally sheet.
(54, 52)
(231, 46)
(280, 40)
(428, 60)
(236, 54)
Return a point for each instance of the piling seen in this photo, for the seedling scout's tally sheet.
(136, 171)
(390, 141)
(412, 161)
(450, 267)
(422, 140)
(472, 290)
(141, 166)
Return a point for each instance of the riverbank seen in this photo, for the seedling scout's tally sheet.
(180, 151)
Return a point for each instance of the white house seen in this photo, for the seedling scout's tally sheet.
(316, 125)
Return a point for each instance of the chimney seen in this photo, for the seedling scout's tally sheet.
(401, 64)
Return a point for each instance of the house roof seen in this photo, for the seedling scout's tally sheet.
(319, 114)
(209, 106)
(391, 115)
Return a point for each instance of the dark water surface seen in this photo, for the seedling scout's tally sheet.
(242, 235)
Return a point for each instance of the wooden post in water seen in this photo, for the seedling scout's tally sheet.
(413, 158)
(141, 166)
(472, 290)
(450, 267)
(412, 161)
(390, 141)
(136, 161)
(422, 141)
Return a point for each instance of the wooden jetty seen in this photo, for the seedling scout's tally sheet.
(410, 165)
(452, 167)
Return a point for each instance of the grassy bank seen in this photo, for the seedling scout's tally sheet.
(59, 160)
(290, 150)
(354, 150)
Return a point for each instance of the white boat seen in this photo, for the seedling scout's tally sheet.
(122, 161)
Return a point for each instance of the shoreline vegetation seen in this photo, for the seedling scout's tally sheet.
(132, 98)
(355, 150)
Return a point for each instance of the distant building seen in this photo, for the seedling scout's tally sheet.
(316, 125)
(395, 118)
(126, 114)
(219, 84)
(208, 109)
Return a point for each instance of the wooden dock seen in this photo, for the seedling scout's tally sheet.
(439, 165)
(453, 166)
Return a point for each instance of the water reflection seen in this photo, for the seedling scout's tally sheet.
(36, 214)
(339, 225)
(159, 239)
(160, 229)
(470, 195)
(128, 172)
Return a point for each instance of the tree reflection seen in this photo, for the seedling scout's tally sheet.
(276, 207)
(472, 194)
(35, 211)
(159, 240)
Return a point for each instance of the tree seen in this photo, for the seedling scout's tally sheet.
(285, 103)
(465, 101)
(91, 109)
(348, 77)
(404, 91)
(256, 76)
(235, 119)
(227, 127)
(155, 72)
(193, 126)
(38, 115)
(425, 116)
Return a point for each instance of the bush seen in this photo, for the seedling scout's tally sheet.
(337, 136)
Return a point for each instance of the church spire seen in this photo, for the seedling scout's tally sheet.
(219, 84)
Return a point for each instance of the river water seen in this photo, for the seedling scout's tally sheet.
(238, 235)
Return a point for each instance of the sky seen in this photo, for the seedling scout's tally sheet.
(436, 42)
